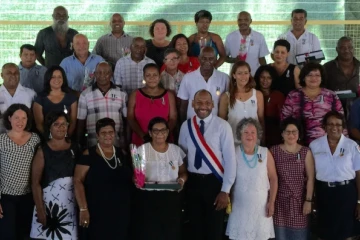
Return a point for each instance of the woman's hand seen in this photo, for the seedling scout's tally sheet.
(270, 208)
(41, 216)
(181, 182)
(306, 208)
(84, 218)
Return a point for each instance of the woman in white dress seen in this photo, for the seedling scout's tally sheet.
(242, 100)
(254, 192)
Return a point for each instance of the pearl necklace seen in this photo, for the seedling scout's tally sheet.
(108, 159)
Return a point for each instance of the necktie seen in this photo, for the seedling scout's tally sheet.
(198, 159)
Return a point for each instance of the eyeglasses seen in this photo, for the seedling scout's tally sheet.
(334, 125)
(294, 132)
(58, 125)
(158, 131)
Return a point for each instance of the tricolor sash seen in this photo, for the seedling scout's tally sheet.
(206, 152)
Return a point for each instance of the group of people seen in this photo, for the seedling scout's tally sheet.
(259, 143)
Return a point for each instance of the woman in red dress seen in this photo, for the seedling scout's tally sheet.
(149, 102)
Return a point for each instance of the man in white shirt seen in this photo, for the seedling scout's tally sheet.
(205, 77)
(11, 91)
(301, 40)
(207, 188)
(246, 44)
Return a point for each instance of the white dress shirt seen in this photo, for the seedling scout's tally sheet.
(257, 48)
(194, 81)
(218, 135)
(22, 95)
(307, 42)
(339, 166)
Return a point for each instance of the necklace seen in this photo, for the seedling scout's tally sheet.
(108, 159)
(254, 159)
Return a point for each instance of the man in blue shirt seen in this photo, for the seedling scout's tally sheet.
(80, 67)
(31, 74)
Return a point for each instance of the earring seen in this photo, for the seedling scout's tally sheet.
(66, 135)
(50, 136)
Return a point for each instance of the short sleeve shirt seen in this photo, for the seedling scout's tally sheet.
(192, 82)
(257, 48)
(163, 167)
(339, 166)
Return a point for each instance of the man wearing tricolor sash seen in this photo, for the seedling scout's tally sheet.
(208, 142)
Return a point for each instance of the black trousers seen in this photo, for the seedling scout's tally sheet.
(17, 211)
(205, 222)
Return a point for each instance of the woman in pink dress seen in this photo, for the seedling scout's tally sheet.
(295, 169)
(149, 102)
(310, 103)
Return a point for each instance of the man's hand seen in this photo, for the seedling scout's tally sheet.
(221, 201)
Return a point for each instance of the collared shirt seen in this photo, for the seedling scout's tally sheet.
(15, 162)
(257, 48)
(93, 105)
(46, 41)
(336, 79)
(307, 42)
(22, 95)
(112, 48)
(171, 82)
(129, 74)
(80, 75)
(339, 166)
(33, 78)
(218, 135)
(194, 81)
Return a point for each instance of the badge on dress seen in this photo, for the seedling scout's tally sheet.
(303, 41)
(172, 165)
(259, 158)
(342, 150)
(218, 91)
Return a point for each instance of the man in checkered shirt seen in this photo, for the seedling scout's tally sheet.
(129, 70)
(102, 99)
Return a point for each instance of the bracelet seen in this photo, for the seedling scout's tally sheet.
(181, 179)
(308, 200)
(83, 209)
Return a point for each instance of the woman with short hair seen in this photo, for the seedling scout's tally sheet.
(103, 187)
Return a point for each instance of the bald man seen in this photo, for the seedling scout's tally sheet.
(80, 67)
(11, 91)
(55, 40)
(246, 44)
(205, 77)
(116, 44)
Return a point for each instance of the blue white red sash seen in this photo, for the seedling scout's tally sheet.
(206, 153)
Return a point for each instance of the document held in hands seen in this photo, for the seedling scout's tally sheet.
(311, 56)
